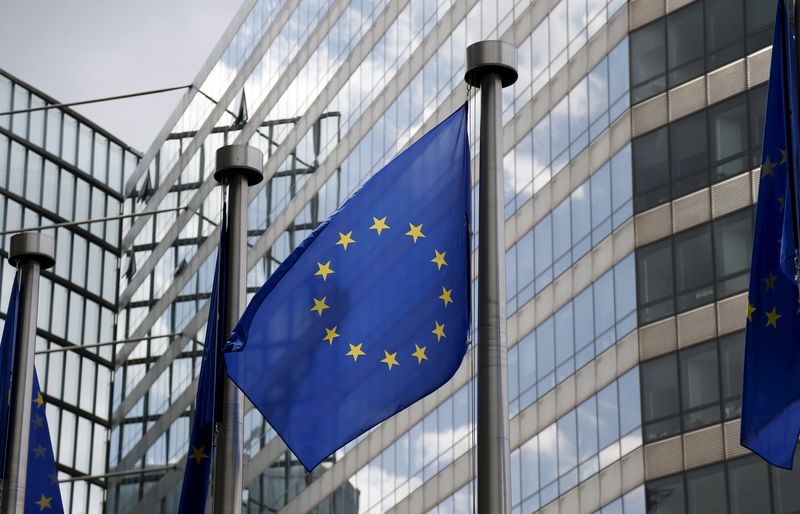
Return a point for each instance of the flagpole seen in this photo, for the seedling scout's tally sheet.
(491, 66)
(238, 166)
(30, 252)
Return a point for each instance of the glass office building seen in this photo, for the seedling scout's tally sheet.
(57, 166)
(632, 143)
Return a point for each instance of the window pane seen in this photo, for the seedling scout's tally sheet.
(748, 485)
(700, 385)
(728, 123)
(660, 405)
(706, 491)
(654, 284)
(685, 46)
(693, 268)
(651, 169)
(665, 496)
(688, 148)
(732, 246)
(648, 61)
(724, 29)
(731, 353)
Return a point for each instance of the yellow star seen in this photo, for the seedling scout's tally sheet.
(420, 354)
(798, 306)
(39, 401)
(439, 259)
(44, 502)
(415, 231)
(439, 331)
(324, 270)
(319, 305)
(780, 203)
(769, 282)
(198, 454)
(53, 478)
(767, 168)
(783, 156)
(772, 318)
(330, 335)
(750, 311)
(390, 359)
(39, 451)
(446, 296)
(345, 239)
(38, 420)
(355, 351)
(379, 224)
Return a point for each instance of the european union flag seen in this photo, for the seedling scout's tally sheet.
(370, 313)
(771, 390)
(41, 484)
(194, 492)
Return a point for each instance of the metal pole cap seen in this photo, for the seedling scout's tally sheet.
(32, 246)
(239, 160)
(491, 56)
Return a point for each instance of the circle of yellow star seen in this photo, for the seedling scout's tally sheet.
(767, 167)
(355, 351)
(330, 335)
(379, 224)
(390, 359)
(320, 305)
(198, 454)
(44, 502)
(446, 296)
(439, 259)
(419, 353)
(415, 231)
(324, 270)
(439, 331)
(345, 239)
(750, 311)
(773, 317)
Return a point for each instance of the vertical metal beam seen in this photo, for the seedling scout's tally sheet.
(238, 166)
(491, 65)
(30, 252)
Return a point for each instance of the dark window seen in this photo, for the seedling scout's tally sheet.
(655, 281)
(733, 237)
(651, 169)
(648, 61)
(758, 106)
(660, 397)
(731, 357)
(729, 142)
(785, 485)
(705, 488)
(693, 268)
(685, 44)
(749, 485)
(665, 496)
(688, 150)
(724, 29)
(699, 386)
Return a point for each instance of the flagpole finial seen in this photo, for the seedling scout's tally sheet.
(32, 245)
(491, 56)
(239, 159)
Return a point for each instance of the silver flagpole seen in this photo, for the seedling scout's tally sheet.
(491, 66)
(30, 252)
(238, 166)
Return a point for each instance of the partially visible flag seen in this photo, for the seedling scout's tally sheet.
(41, 484)
(194, 492)
(370, 313)
(10, 331)
(771, 391)
(42, 493)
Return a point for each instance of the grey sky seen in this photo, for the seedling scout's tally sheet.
(81, 49)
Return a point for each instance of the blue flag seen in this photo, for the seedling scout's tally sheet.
(194, 492)
(371, 312)
(42, 493)
(771, 389)
(41, 484)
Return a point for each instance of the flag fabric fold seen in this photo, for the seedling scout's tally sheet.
(371, 312)
(42, 492)
(771, 388)
(194, 492)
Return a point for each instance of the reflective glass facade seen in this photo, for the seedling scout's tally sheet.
(56, 166)
(609, 156)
